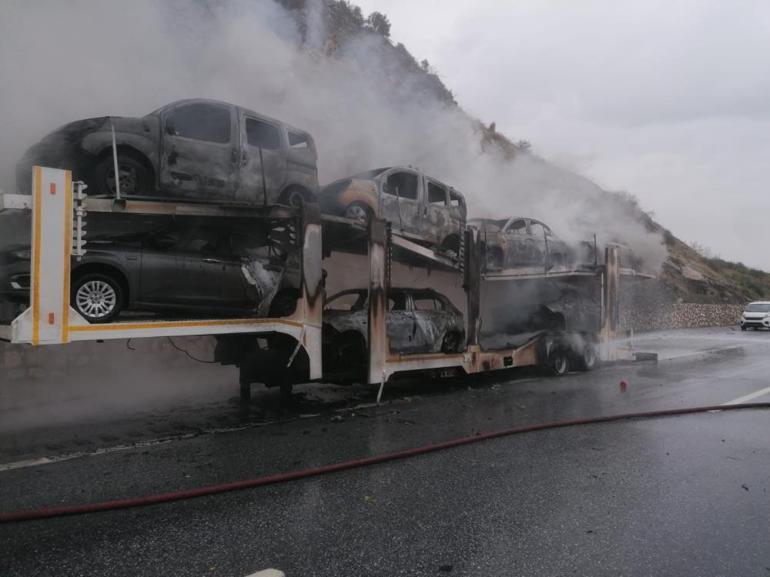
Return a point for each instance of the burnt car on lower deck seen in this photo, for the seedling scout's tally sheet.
(192, 268)
(418, 206)
(418, 321)
(194, 149)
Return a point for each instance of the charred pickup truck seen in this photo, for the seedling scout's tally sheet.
(418, 206)
(196, 150)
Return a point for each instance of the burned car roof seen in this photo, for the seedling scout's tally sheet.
(157, 111)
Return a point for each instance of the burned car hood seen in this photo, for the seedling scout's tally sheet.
(74, 132)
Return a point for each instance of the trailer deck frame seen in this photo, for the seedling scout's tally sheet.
(51, 320)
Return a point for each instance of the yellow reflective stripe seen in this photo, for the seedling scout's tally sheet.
(37, 178)
(65, 311)
(181, 324)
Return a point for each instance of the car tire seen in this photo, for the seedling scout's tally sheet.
(557, 363)
(97, 297)
(451, 246)
(135, 179)
(452, 343)
(359, 213)
(293, 199)
(494, 260)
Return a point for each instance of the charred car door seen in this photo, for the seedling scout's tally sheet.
(263, 162)
(458, 213)
(401, 325)
(537, 235)
(519, 249)
(206, 267)
(430, 321)
(400, 201)
(199, 151)
(437, 224)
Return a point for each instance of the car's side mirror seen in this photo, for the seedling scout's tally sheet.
(170, 128)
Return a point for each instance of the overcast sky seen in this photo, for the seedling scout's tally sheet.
(668, 100)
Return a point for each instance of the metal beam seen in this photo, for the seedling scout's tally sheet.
(378, 301)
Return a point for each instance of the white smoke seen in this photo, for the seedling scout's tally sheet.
(60, 61)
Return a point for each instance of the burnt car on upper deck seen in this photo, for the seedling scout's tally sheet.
(520, 242)
(195, 149)
(418, 206)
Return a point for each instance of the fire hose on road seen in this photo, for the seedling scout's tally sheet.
(50, 512)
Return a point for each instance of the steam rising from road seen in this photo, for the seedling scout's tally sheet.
(60, 61)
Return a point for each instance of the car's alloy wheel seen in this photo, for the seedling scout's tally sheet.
(134, 177)
(129, 181)
(97, 299)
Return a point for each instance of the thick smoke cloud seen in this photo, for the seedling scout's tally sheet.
(60, 61)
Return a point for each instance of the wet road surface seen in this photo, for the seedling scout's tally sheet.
(670, 496)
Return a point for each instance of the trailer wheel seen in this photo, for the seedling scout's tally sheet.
(558, 362)
(587, 360)
(245, 390)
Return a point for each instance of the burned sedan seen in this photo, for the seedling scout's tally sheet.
(517, 241)
(418, 321)
(418, 206)
(194, 269)
(198, 150)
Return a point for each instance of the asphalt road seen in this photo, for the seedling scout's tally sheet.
(667, 496)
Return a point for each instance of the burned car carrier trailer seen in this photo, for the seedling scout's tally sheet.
(291, 349)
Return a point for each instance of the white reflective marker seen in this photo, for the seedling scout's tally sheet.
(268, 573)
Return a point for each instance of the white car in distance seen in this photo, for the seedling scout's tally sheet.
(756, 315)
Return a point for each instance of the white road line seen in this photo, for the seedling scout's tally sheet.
(268, 573)
(117, 448)
(749, 397)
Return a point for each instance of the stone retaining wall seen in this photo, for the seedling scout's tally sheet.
(680, 316)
